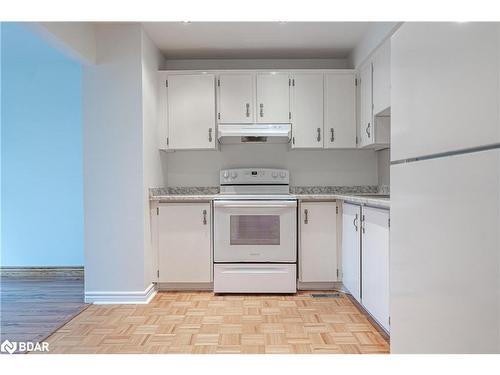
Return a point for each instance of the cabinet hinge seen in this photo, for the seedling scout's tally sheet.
(293, 140)
(167, 141)
(389, 320)
(166, 83)
(337, 209)
(157, 273)
(355, 81)
(157, 210)
(389, 222)
(293, 82)
(356, 139)
(289, 115)
(218, 82)
(218, 115)
(337, 273)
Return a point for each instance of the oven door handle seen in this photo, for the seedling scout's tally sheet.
(255, 205)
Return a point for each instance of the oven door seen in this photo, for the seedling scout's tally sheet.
(255, 231)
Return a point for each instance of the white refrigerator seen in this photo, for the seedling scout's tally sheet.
(445, 188)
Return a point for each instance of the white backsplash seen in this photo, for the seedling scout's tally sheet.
(307, 167)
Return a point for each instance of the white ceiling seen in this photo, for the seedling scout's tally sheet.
(256, 40)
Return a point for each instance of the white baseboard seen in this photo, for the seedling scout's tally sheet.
(107, 298)
(336, 285)
(186, 286)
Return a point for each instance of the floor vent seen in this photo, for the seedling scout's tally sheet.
(326, 295)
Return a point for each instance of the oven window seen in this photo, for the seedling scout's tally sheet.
(255, 229)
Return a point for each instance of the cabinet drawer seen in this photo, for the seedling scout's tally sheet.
(255, 278)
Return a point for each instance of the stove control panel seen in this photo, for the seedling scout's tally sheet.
(254, 176)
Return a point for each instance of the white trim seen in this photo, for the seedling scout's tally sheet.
(105, 298)
(169, 286)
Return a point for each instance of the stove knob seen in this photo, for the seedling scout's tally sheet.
(226, 175)
(282, 174)
(275, 174)
(234, 175)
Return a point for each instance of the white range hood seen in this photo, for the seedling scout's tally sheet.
(254, 133)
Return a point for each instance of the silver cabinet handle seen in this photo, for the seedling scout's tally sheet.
(210, 134)
(332, 135)
(306, 219)
(261, 109)
(248, 109)
(204, 217)
(368, 130)
(363, 223)
(355, 222)
(319, 134)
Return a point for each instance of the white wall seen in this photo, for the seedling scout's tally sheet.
(207, 64)
(77, 39)
(152, 60)
(307, 167)
(374, 36)
(383, 166)
(113, 162)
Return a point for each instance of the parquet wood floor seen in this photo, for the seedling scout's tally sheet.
(201, 322)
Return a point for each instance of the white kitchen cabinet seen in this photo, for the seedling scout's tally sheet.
(273, 97)
(191, 111)
(381, 64)
(374, 131)
(184, 243)
(236, 98)
(318, 242)
(365, 105)
(307, 110)
(351, 249)
(340, 111)
(375, 264)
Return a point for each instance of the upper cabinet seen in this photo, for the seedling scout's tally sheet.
(375, 99)
(307, 110)
(320, 105)
(190, 111)
(340, 110)
(236, 98)
(365, 105)
(273, 97)
(381, 65)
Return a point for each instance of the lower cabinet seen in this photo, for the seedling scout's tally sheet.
(365, 258)
(351, 249)
(318, 242)
(375, 264)
(184, 243)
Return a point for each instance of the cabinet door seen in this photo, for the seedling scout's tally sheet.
(184, 243)
(351, 249)
(307, 111)
(318, 242)
(366, 106)
(340, 111)
(382, 78)
(236, 93)
(191, 111)
(375, 264)
(273, 97)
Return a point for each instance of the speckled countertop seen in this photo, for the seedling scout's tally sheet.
(367, 195)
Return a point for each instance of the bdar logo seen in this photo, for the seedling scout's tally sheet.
(8, 347)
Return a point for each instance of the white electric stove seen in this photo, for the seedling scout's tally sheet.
(255, 232)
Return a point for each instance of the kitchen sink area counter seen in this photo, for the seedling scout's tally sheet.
(370, 195)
